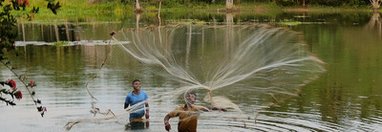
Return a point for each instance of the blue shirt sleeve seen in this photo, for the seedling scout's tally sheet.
(127, 102)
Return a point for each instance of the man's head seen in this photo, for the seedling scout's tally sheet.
(136, 84)
(190, 97)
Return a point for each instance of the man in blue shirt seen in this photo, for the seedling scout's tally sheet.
(137, 100)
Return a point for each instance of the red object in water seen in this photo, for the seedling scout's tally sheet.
(12, 84)
(32, 83)
(18, 95)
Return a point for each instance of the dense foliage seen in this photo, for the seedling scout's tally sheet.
(8, 28)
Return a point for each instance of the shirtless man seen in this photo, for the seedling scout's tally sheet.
(188, 114)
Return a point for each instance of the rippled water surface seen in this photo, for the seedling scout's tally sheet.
(346, 96)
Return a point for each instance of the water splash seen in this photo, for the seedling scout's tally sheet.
(254, 61)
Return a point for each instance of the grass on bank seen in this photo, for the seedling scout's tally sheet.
(114, 11)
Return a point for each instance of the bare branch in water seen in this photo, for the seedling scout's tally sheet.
(94, 110)
(70, 124)
(87, 88)
(95, 76)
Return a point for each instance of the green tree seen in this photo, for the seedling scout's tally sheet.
(138, 7)
(229, 5)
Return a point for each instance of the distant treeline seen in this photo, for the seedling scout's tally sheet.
(278, 2)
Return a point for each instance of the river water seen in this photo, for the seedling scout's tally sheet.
(338, 90)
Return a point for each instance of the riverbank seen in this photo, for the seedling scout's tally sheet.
(115, 11)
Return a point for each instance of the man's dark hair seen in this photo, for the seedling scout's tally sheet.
(188, 93)
(136, 80)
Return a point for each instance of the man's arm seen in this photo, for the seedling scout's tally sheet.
(147, 114)
(205, 109)
(202, 108)
(166, 119)
(167, 125)
(125, 106)
(219, 109)
(127, 103)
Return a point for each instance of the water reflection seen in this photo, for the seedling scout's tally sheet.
(52, 33)
(375, 24)
(67, 31)
(352, 80)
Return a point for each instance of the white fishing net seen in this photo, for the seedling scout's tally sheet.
(235, 63)
(231, 66)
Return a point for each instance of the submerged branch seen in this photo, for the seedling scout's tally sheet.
(95, 110)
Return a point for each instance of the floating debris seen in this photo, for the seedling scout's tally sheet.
(71, 43)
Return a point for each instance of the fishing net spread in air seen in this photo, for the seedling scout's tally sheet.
(259, 64)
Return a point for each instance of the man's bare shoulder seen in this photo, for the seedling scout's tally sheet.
(179, 107)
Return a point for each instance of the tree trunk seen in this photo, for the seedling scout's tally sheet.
(56, 33)
(137, 6)
(375, 4)
(137, 18)
(229, 5)
(303, 3)
(160, 6)
(23, 29)
(229, 34)
(188, 47)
